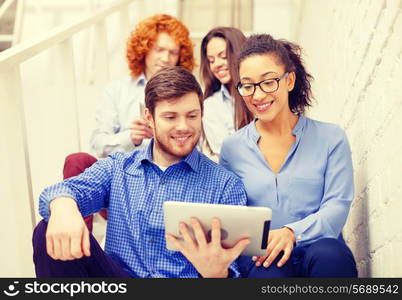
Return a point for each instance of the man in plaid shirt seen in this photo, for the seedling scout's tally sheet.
(133, 187)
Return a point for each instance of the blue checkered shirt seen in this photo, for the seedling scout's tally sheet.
(134, 189)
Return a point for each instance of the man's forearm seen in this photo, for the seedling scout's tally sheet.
(63, 204)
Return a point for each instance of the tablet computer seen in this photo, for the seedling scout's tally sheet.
(237, 222)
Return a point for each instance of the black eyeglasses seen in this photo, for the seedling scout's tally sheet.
(268, 86)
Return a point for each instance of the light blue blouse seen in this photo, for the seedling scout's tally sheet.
(313, 190)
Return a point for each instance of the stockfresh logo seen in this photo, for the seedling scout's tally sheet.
(12, 290)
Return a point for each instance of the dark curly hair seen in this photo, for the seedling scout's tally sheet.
(289, 55)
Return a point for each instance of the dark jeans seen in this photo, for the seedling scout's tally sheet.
(99, 264)
(325, 258)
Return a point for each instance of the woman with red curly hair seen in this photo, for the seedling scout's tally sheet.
(142, 40)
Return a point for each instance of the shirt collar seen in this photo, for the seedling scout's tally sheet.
(140, 80)
(193, 159)
(254, 134)
(296, 130)
(135, 160)
(225, 92)
(299, 125)
(145, 156)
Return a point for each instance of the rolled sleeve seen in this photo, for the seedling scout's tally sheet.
(90, 189)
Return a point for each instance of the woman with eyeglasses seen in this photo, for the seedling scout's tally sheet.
(299, 167)
(218, 50)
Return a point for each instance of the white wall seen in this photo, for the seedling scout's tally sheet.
(277, 17)
(354, 50)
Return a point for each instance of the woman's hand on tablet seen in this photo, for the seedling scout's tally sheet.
(209, 258)
(279, 241)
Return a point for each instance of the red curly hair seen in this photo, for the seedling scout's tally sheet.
(144, 36)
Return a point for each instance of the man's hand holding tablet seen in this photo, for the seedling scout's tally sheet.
(208, 257)
(211, 236)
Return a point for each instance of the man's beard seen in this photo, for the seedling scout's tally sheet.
(167, 145)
